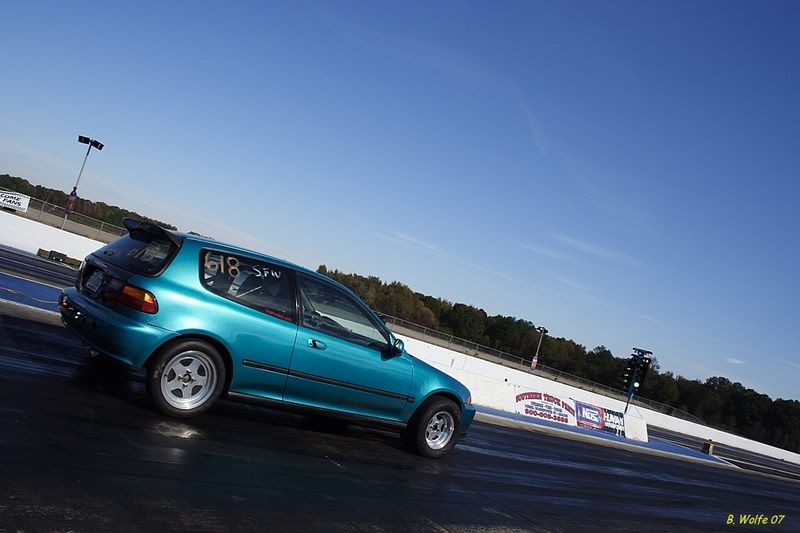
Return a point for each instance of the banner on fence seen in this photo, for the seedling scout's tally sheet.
(14, 200)
(545, 406)
(594, 417)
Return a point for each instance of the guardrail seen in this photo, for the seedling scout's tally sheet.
(446, 340)
(53, 215)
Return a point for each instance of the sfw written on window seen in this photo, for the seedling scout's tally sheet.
(330, 310)
(250, 282)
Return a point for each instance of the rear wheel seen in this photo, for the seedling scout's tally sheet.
(185, 379)
(434, 430)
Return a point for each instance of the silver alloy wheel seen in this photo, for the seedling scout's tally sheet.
(188, 380)
(439, 430)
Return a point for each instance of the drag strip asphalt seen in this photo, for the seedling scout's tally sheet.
(81, 449)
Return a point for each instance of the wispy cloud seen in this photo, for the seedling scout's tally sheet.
(398, 46)
(612, 198)
(703, 372)
(539, 138)
(734, 361)
(596, 250)
(651, 319)
(744, 349)
(406, 240)
(416, 242)
(432, 249)
(549, 252)
(692, 366)
(576, 291)
(569, 282)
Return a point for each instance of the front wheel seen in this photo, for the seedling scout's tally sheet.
(434, 430)
(185, 379)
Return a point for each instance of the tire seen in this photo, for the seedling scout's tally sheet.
(434, 429)
(185, 379)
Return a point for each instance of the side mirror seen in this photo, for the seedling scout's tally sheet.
(398, 347)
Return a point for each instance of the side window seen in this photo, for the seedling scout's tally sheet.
(250, 282)
(330, 310)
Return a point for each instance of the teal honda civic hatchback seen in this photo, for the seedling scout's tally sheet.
(207, 319)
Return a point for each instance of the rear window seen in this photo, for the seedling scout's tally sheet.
(140, 252)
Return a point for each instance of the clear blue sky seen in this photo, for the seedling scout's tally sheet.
(624, 173)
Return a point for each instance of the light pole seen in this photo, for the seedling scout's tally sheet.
(93, 143)
(535, 361)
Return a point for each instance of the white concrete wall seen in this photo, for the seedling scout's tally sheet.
(29, 235)
(496, 386)
(469, 370)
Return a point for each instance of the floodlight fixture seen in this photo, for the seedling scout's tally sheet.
(93, 143)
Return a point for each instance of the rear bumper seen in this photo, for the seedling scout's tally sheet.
(110, 332)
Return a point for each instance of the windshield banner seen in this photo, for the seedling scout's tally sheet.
(591, 416)
(546, 407)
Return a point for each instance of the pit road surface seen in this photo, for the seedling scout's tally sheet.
(81, 449)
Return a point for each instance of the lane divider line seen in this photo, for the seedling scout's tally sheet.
(20, 293)
(32, 280)
(29, 307)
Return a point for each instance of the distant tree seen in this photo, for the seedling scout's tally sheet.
(467, 322)
(601, 367)
(666, 390)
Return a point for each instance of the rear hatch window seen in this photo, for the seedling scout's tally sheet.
(146, 250)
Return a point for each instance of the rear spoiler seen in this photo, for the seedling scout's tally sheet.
(135, 226)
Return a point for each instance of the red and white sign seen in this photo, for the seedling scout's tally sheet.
(546, 406)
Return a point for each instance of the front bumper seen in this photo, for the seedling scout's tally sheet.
(467, 415)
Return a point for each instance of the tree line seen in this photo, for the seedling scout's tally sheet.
(110, 214)
(717, 401)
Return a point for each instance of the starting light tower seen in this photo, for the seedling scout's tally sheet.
(636, 372)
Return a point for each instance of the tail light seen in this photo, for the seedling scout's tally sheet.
(138, 299)
(119, 292)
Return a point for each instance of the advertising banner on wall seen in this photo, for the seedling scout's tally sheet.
(591, 416)
(546, 407)
(14, 200)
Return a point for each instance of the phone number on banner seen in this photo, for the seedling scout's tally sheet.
(548, 416)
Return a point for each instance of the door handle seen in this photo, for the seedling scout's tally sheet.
(319, 345)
